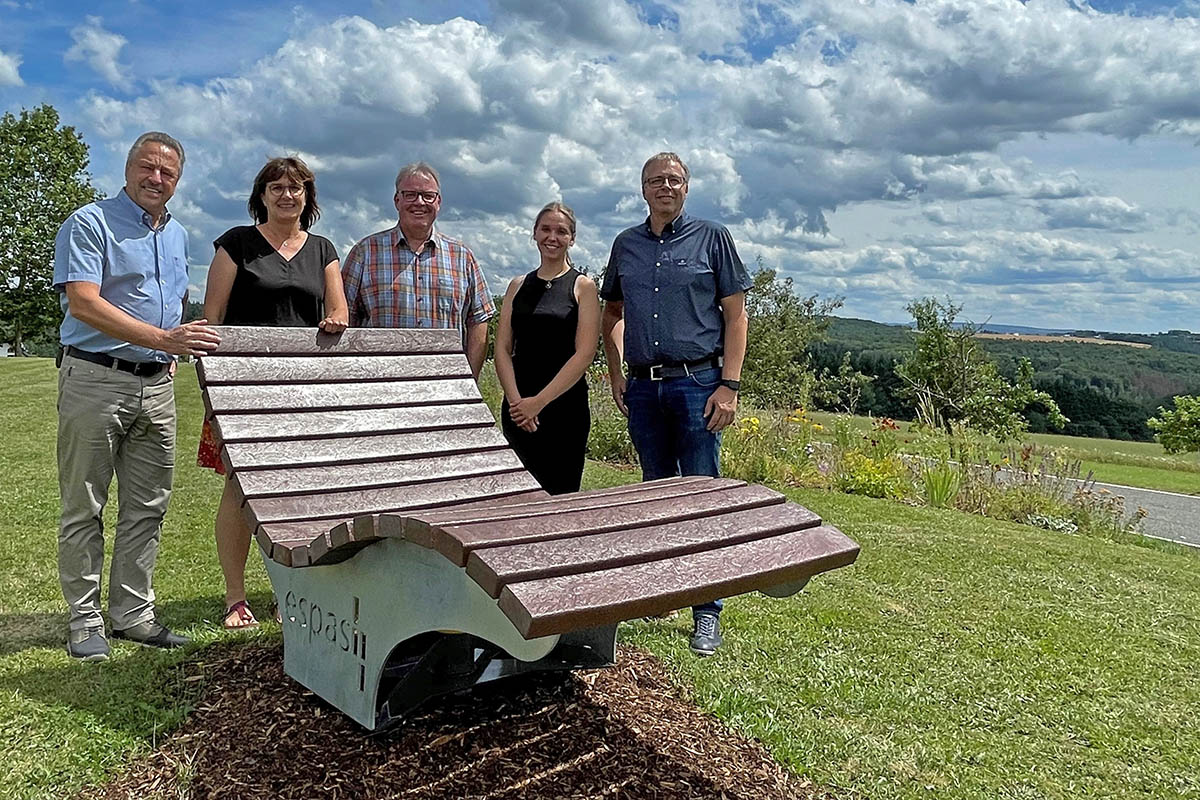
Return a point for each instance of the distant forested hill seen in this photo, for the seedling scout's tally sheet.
(1106, 390)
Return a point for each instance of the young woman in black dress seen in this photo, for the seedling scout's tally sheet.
(274, 273)
(549, 327)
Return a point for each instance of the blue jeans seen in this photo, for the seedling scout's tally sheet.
(669, 431)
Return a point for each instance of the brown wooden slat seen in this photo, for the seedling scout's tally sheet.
(323, 424)
(246, 456)
(347, 505)
(600, 498)
(217, 370)
(339, 544)
(309, 480)
(493, 567)
(456, 541)
(236, 398)
(570, 602)
(293, 533)
(242, 340)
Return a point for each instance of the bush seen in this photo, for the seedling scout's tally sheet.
(770, 447)
(609, 438)
(1178, 431)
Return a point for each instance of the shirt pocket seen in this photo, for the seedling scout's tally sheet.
(689, 272)
(447, 298)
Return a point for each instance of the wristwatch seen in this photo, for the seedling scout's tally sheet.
(730, 383)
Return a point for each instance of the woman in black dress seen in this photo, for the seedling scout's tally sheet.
(549, 327)
(273, 273)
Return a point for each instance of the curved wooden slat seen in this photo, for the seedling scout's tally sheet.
(494, 567)
(249, 340)
(329, 369)
(325, 424)
(342, 477)
(246, 456)
(347, 505)
(456, 541)
(235, 398)
(570, 602)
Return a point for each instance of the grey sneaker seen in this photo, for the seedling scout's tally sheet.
(151, 634)
(706, 634)
(88, 645)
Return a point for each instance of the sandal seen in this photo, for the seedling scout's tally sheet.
(239, 617)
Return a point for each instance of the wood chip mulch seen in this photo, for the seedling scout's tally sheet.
(625, 732)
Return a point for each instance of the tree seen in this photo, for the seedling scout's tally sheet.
(1179, 431)
(951, 380)
(778, 372)
(844, 389)
(43, 178)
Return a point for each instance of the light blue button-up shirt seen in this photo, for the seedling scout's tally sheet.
(140, 269)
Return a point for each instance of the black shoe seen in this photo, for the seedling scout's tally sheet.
(151, 634)
(88, 645)
(706, 634)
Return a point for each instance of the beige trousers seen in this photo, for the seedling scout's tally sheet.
(112, 422)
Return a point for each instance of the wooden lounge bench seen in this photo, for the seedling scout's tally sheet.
(410, 552)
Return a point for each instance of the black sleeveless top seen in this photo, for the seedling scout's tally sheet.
(545, 315)
(271, 290)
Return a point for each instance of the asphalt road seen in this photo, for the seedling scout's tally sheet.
(1169, 515)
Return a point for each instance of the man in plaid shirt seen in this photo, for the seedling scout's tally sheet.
(411, 276)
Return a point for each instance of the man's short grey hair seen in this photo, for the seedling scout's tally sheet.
(666, 157)
(417, 168)
(160, 138)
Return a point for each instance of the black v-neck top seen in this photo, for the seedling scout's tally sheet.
(271, 290)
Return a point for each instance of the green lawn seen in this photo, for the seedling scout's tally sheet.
(960, 657)
(1141, 464)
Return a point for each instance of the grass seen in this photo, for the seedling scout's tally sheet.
(1141, 464)
(960, 657)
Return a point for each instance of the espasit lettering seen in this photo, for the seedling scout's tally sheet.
(317, 623)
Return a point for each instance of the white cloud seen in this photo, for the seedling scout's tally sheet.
(100, 49)
(9, 73)
(855, 144)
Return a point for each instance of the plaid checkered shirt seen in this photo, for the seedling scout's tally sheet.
(388, 285)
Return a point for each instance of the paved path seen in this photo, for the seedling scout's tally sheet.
(1171, 515)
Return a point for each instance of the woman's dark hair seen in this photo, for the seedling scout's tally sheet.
(294, 169)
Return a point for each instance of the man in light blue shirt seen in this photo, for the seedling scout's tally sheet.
(120, 265)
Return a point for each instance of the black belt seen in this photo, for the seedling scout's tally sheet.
(676, 369)
(143, 369)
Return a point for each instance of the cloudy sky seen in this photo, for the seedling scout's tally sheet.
(1036, 162)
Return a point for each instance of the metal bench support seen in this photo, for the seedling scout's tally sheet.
(342, 622)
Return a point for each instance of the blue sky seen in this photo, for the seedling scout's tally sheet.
(1036, 162)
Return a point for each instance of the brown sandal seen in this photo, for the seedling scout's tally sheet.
(239, 617)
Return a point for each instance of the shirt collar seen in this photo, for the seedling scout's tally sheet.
(672, 226)
(142, 214)
(398, 239)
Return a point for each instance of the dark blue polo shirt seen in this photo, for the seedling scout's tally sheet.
(672, 286)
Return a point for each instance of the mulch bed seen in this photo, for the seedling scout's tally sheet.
(624, 732)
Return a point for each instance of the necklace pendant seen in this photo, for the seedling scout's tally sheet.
(549, 284)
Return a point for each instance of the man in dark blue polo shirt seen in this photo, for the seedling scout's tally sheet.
(680, 287)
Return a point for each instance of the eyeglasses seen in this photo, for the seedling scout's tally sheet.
(427, 197)
(670, 181)
(280, 189)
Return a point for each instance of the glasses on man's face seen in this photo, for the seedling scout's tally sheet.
(280, 189)
(670, 181)
(425, 197)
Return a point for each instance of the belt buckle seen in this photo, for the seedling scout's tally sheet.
(656, 372)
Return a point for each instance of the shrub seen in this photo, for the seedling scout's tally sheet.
(941, 482)
(608, 439)
(771, 447)
(1178, 431)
